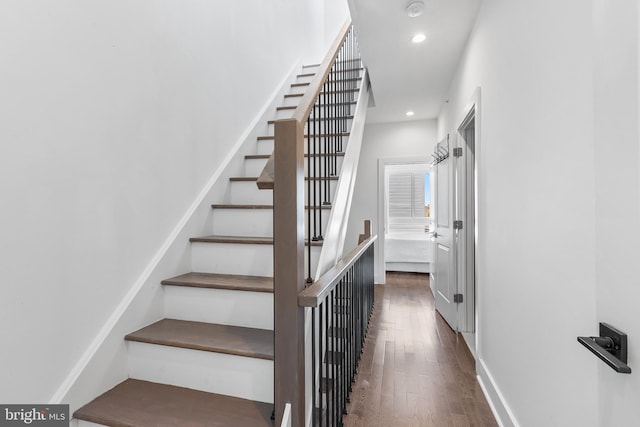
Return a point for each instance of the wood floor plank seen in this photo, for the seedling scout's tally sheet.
(415, 370)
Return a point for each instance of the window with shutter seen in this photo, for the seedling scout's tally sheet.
(408, 198)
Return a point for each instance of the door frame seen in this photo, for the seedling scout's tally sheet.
(382, 163)
(469, 312)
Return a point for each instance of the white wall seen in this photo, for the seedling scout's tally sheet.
(617, 189)
(335, 15)
(558, 198)
(383, 140)
(113, 117)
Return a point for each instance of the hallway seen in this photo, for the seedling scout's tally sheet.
(414, 371)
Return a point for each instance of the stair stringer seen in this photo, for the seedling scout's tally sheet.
(104, 362)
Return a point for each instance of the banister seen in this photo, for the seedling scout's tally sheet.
(265, 180)
(311, 296)
(285, 175)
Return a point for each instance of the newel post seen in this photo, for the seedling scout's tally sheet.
(288, 254)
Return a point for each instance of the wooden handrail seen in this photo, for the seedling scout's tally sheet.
(266, 178)
(316, 293)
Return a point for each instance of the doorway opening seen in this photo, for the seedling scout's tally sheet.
(405, 214)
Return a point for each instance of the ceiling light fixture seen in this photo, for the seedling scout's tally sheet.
(410, 113)
(418, 38)
(415, 8)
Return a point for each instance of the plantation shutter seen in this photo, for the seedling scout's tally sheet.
(400, 195)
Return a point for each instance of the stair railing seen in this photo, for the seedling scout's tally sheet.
(320, 119)
(341, 303)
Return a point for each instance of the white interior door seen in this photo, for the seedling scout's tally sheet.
(444, 286)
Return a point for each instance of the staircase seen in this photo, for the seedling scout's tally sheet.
(210, 361)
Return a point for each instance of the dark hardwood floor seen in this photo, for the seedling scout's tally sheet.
(415, 371)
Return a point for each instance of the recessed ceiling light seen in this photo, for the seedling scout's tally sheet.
(418, 38)
(410, 113)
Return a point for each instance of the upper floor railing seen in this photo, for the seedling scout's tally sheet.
(341, 303)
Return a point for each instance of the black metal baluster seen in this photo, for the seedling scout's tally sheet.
(336, 123)
(308, 174)
(339, 353)
(322, 348)
(343, 345)
(317, 169)
(327, 391)
(314, 359)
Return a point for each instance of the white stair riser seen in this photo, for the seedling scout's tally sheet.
(244, 377)
(243, 222)
(321, 125)
(297, 89)
(291, 101)
(232, 258)
(284, 114)
(305, 79)
(247, 192)
(250, 222)
(254, 167)
(221, 306)
(266, 146)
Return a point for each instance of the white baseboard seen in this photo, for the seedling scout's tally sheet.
(499, 407)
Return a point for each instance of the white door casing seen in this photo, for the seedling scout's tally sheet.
(464, 238)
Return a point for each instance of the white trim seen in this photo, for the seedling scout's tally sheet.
(286, 416)
(501, 411)
(126, 301)
(467, 307)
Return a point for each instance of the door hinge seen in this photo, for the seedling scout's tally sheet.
(457, 298)
(457, 152)
(457, 225)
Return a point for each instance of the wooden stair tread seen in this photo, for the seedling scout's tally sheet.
(273, 122)
(326, 92)
(242, 240)
(262, 207)
(234, 239)
(349, 70)
(255, 178)
(321, 135)
(293, 107)
(146, 404)
(234, 282)
(267, 156)
(235, 340)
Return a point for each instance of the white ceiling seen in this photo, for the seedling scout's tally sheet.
(407, 76)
